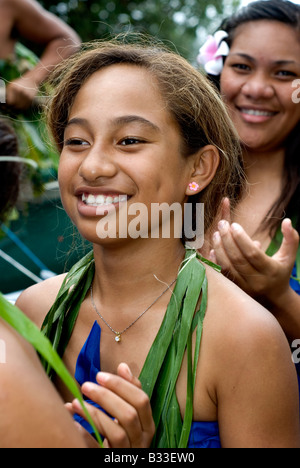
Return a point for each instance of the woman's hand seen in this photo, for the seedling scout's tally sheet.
(242, 260)
(122, 397)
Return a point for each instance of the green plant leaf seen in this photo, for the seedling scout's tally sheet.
(173, 340)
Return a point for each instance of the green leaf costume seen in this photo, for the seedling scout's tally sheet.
(183, 317)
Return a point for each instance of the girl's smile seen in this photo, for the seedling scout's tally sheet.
(119, 147)
(92, 202)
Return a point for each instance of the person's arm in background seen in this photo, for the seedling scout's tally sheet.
(35, 24)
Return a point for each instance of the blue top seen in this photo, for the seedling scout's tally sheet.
(203, 434)
(295, 285)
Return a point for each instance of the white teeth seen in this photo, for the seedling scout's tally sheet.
(91, 199)
(100, 200)
(257, 112)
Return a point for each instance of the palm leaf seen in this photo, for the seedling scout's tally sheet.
(173, 340)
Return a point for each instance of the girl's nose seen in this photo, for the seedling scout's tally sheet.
(97, 164)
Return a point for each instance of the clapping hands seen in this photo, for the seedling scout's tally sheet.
(244, 261)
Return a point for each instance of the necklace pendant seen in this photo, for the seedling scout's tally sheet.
(118, 337)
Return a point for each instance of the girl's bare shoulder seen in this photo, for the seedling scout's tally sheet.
(236, 322)
(37, 300)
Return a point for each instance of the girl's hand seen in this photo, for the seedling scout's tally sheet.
(242, 260)
(122, 397)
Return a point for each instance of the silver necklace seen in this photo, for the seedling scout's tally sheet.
(119, 334)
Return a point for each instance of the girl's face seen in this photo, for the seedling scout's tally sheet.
(120, 145)
(257, 83)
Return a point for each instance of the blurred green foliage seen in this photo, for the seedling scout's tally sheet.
(182, 23)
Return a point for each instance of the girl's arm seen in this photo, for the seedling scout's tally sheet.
(257, 389)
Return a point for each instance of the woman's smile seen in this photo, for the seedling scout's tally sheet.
(257, 83)
(254, 115)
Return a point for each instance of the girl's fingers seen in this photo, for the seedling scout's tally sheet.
(126, 403)
(123, 399)
(131, 394)
(116, 436)
(125, 372)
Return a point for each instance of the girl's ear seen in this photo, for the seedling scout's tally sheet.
(205, 165)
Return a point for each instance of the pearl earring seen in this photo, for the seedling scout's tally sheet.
(193, 186)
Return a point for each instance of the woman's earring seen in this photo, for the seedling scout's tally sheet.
(193, 186)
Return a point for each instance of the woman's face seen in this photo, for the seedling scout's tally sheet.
(257, 83)
(121, 145)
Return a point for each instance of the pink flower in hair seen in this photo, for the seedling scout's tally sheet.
(212, 52)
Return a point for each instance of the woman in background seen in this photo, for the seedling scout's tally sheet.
(259, 250)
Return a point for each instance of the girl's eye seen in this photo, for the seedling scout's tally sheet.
(75, 142)
(129, 141)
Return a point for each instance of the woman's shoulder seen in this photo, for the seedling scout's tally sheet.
(37, 300)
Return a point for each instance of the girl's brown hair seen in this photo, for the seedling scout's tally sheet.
(189, 97)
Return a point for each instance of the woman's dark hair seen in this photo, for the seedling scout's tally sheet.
(9, 171)
(288, 204)
(273, 10)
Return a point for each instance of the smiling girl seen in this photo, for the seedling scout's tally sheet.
(137, 124)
